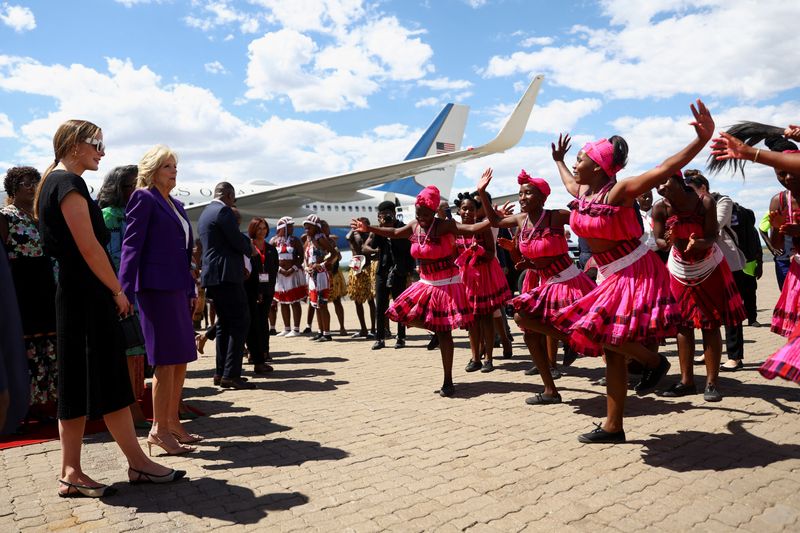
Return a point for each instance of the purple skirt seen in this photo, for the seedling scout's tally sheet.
(167, 327)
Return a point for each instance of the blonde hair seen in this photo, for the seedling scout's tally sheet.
(150, 163)
(66, 139)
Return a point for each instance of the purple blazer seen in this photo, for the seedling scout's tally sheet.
(154, 250)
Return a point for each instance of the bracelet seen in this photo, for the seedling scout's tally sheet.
(118, 293)
(755, 158)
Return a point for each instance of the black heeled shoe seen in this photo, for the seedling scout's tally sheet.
(146, 477)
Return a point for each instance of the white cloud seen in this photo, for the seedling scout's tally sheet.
(553, 117)
(215, 67)
(137, 109)
(536, 41)
(17, 17)
(476, 3)
(427, 102)
(131, 3)
(323, 16)
(695, 47)
(219, 13)
(6, 126)
(440, 84)
(321, 76)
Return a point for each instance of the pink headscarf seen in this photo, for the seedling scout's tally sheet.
(429, 197)
(539, 183)
(602, 153)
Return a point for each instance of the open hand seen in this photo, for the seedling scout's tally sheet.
(486, 178)
(560, 150)
(777, 219)
(358, 225)
(726, 146)
(703, 122)
(792, 132)
(506, 210)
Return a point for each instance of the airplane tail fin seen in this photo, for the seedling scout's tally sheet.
(444, 135)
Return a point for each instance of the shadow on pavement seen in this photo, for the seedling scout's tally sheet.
(275, 452)
(686, 451)
(479, 388)
(300, 385)
(205, 498)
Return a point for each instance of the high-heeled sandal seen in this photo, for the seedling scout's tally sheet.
(155, 440)
(82, 491)
(146, 477)
(189, 438)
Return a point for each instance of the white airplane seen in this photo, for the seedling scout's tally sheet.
(338, 199)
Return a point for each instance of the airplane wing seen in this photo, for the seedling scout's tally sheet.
(344, 187)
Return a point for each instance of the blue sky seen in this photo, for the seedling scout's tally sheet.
(286, 91)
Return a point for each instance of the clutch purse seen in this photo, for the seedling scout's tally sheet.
(131, 331)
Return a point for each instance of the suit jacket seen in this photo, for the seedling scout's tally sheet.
(224, 246)
(155, 254)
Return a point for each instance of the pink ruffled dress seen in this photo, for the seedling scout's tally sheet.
(439, 299)
(633, 302)
(486, 285)
(785, 363)
(560, 283)
(786, 316)
(713, 300)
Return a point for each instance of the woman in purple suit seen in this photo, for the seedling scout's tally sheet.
(155, 266)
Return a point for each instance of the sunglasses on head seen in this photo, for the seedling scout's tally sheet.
(97, 143)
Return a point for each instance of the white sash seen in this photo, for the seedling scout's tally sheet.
(441, 282)
(613, 267)
(565, 275)
(692, 274)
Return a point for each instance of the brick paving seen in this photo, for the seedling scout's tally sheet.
(341, 438)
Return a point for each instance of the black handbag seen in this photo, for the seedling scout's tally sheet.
(131, 331)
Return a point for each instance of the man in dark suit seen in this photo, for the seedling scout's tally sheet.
(222, 275)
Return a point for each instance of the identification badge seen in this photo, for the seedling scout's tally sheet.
(263, 277)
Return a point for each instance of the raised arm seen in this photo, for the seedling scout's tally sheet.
(559, 151)
(491, 215)
(628, 189)
(727, 146)
(391, 233)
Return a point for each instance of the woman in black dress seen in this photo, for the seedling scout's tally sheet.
(92, 370)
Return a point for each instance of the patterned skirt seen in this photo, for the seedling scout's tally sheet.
(43, 366)
(360, 287)
(633, 303)
(786, 315)
(319, 287)
(438, 300)
(338, 286)
(486, 286)
(708, 304)
(785, 363)
(544, 301)
(291, 288)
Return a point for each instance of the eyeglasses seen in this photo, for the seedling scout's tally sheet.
(29, 184)
(97, 143)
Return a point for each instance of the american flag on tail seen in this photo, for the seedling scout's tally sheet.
(443, 148)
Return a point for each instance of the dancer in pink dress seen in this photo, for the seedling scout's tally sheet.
(438, 301)
(785, 221)
(542, 242)
(484, 281)
(700, 279)
(632, 307)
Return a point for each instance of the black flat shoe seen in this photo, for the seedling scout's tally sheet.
(731, 365)
(652, 376)
(82, 491)
(446, 391)
(555, 373)
(433, 343)
(532, 371)
(711, 394)
(569, 356)
(473, 366)
(379, 345)
(399, 343)
(601, 436)
(145, 477)
(680, 389)
(541, 399)
(487, 367)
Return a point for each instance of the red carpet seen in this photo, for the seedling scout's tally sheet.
(37, 431)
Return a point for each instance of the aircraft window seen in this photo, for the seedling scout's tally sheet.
(315, 207)
(370, 209)
(336, 208)
(349, 207)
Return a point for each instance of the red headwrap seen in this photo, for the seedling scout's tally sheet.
(539, 183)
(429, 197)
(602, 153)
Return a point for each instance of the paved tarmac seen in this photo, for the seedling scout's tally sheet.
(342, 438)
